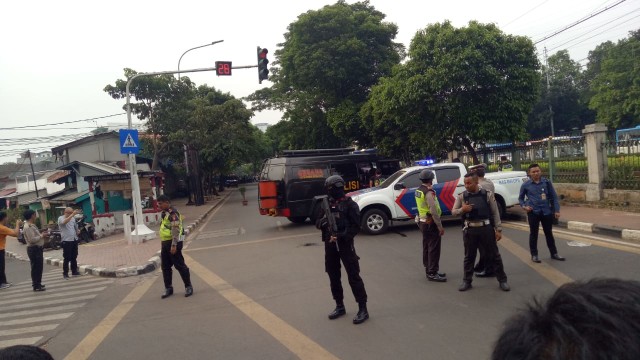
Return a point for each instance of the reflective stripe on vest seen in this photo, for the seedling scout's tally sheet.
(421, 202)
(165, 227)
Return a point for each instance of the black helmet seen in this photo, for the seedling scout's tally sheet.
(426, 175)
(334, 181)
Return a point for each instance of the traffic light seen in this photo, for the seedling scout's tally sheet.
(263, 72)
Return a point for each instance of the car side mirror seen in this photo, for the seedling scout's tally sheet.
(398, 186)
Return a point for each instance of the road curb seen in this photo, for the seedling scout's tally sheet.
(152, 264)
(613, 231)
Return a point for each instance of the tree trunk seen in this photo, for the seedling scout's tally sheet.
(467, 144)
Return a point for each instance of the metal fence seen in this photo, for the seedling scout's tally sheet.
(623, 164)
(562, 160)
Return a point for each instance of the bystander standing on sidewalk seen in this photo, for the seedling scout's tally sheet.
(542, 206)
(4, 231)
(69, 233)
(35, 242)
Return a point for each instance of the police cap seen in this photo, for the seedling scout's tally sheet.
(478, 167)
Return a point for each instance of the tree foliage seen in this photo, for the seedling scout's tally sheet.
(324, 72)
(460, 86)
(616, 86)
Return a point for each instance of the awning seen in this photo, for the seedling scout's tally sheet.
(68, 196)
(6, 192)
(59, 175)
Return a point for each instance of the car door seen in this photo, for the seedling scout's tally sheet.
(404, 195)
(448, 184)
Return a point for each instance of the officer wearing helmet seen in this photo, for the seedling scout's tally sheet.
(340, 247)
(431, 226)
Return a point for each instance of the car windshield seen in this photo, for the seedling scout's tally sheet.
(392, 178)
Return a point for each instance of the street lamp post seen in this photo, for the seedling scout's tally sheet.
(185, 146)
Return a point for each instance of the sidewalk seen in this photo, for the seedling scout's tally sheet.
(112, 256)
(622, 224)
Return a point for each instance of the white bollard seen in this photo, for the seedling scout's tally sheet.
(126, 220)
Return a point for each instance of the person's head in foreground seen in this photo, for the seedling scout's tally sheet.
(597, 319)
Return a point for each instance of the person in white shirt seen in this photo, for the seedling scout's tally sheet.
(69, 233)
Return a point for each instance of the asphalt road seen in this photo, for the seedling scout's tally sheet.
(261, 293)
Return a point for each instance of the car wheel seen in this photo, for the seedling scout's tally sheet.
(375, 222)
(297, 219)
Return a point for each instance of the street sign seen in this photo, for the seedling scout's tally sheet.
(129, 143)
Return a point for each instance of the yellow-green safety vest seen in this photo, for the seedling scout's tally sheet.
(165, 227)
(423, 206)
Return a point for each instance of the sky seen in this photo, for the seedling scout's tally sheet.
(56, 57)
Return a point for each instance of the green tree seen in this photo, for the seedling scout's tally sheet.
(160, 102)
(616, 87)
(324, 72)
(460, 87)
(100, 130)
(564, 96)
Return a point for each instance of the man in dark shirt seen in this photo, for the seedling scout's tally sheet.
(542, 206)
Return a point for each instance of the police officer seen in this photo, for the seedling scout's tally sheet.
(430, 225)
(482, 227)
(480, 269)
(340, 246)
(171, 232)
(505, 164)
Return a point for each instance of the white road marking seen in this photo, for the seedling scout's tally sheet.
(28, 330)
(40, 311)
(35, 319)
(23, 341)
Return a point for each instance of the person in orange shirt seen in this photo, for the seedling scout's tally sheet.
(4, 231)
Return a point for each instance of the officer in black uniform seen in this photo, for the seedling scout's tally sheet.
(482, 227)
(340, 247)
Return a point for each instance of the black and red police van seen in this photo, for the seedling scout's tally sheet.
(288, 183)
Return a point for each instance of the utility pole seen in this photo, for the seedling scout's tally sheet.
(35, 183)
(546, 62)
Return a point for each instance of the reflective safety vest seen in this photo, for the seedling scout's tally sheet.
(165, 226)
(421, 202)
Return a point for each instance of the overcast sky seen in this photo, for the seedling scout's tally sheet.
(57, 56)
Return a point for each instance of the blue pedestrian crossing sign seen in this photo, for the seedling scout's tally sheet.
(129, 143)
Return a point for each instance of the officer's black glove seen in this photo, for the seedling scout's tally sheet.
(322, 224)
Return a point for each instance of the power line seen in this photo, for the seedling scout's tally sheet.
(62, 128)
(526, 13)
(579, 22)
(590, 31)
(65, 122)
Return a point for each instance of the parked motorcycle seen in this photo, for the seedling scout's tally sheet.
(21, 238)
(54, 240)
(87, 230)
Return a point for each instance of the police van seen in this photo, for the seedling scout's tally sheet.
(288, 183)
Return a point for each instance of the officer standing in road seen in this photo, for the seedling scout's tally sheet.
(431, 226)
(542, 206)
(481, 269)
(482, 227)
(69, 232)
(171, 236)
(505, 164)
(341, 247)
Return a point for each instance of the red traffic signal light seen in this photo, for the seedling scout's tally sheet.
(263, 71)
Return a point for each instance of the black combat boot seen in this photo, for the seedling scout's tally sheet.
(167, 292)
(362, 314)
(338, 311)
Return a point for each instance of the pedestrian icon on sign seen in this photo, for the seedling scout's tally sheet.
(129, 143)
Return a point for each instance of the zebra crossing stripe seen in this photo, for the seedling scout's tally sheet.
(36, 319)
(42, 311)
(27, 285)
(27, 330)
(22, 292)
(49, 302)
(56, 295)
(23, 341)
